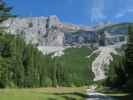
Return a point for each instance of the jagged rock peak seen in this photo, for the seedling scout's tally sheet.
(40, 30)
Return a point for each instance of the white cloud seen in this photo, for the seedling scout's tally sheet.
(123, 13)
(97, 12)
(130, 10)
(126, 8)
(119, 15)
(97, 15)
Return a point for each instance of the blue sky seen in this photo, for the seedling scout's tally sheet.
(84, 12)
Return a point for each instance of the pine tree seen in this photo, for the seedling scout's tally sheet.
(129, 59)
(18, 46)
(4, 11)
(129, 53)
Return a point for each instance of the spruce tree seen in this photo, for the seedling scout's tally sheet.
(5, 11)
(129, 52)
(129, 59)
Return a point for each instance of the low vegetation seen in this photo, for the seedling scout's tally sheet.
(43, 94)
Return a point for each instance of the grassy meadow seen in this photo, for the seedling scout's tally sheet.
(44, 94)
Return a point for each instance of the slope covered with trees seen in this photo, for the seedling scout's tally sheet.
(22, 65)
(120, 73)
(19, 63)
(129, 58)
(5, 11)
(77, 66)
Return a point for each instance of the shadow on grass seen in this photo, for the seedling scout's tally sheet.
(51, 99)
(122, 94)
(127, 97)
(69, 96)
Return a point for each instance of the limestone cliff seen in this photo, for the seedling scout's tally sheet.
(49, 32)
(42, 31)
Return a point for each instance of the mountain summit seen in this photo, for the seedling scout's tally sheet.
(53, 35)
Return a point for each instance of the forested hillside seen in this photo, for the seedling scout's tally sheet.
(76, 65)
(120, 72)
(23, 65)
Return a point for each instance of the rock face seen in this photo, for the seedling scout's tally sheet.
(48, 31)
(107, 38)
(50, 35)
(81, 38)
(36, 30)
(102, 61)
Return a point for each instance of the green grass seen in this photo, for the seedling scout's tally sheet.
(117, 94)
(77, 66)
(43, 94)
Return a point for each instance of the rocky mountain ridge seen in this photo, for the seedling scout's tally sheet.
(40, 27)
(49, 34)
(43, 32)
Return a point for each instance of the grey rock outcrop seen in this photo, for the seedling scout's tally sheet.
(35, 30)
(51, 32)
(40, 31)
(45, 32)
